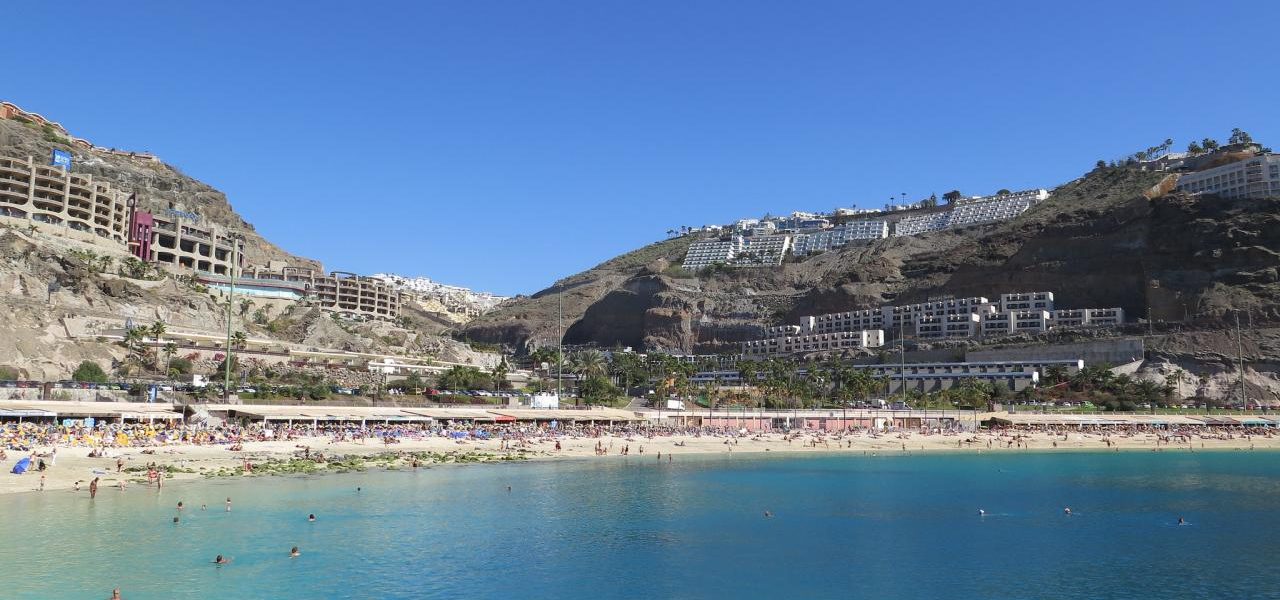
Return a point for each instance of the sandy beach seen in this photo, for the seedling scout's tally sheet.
(190, 462)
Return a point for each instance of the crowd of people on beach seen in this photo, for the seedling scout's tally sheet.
(105, 439)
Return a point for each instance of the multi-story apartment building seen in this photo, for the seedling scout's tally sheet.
(811, 342)
(950, 318)
(738, 251)
(712, 252)
(837, 237)
(763, 250)
(1026, 301)
(854, 320)
(1030, 196)
(48, 196)
(1015, 321)
(1087, 317)
(962, 326)
(918, 224)
(180, 244)
(971, 211)
(1256, 177)
(355, 296)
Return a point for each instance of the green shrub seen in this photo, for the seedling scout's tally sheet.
(89, 371)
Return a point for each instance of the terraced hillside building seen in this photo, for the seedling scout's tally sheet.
(346, 294)
(839, 236)
(949, 318)
(738, 251)
(355, 296)
(180, 244)
(49, 196)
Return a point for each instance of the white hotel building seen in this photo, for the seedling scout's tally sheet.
(1257, 177)
(837, 237)
(953, 318)
(972, 211)
(738, 251)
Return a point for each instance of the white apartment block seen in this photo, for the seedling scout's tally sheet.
(1031, 196)
(950, 318)
(738, 251)
(763, 250)
(949, 326)
(837, 237)
(918, 224)
(812, 342)
(1015, 321)
(972, 211)
(711, 252)
(1087, 317)
(999, 209)
(1026, 301)
(1256, 177)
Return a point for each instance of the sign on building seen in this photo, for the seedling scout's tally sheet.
(62, 158)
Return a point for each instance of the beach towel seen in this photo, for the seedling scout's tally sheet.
(22, 465)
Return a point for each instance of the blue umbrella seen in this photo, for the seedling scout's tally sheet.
(22, 465)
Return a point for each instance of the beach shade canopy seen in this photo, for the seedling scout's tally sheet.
(22, 465)
(498, 418)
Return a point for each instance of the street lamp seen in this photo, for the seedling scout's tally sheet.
(235, 239)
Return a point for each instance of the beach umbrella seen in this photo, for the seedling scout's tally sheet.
(22, 465)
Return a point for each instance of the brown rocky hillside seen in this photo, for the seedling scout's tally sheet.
(1097, 242)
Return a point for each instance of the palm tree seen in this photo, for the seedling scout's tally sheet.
(588, 363)
(157, 331)
(239, 340)
(499, 374)
(169, 350)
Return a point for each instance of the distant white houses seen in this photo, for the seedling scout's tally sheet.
(805, 233)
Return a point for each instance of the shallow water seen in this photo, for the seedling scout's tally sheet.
(842, 527)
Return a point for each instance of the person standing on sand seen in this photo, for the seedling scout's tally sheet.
(93, 488)
(119, 464)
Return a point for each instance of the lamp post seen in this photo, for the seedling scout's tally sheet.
(231, 298)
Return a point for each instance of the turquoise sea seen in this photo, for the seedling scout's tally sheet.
(842, 527)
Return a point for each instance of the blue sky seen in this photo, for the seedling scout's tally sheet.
(501, 145)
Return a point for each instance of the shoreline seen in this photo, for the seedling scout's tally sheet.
(278, 458)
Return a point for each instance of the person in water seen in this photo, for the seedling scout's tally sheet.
(1182, 521)
(115, 594)
(982, 513)
(176, 519)
(220, 560)
(1066, 511)
(294, 552)
(311, 517)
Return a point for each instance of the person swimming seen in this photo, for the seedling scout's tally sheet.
(175, 519)
(982, 513)
(1182, 521)
(221, 560)
(1066, 511)
(294, 552)
(180, 506)
(311, 517)
(768, 514)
